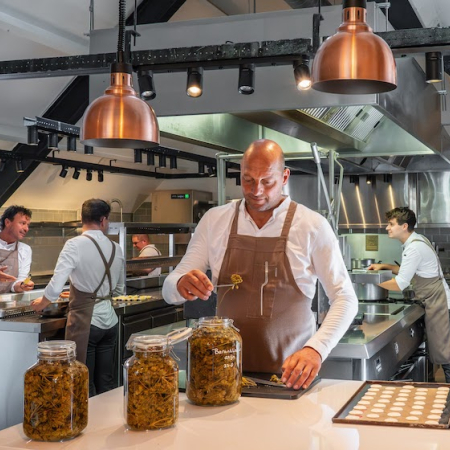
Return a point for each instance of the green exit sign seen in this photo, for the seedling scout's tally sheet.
(180, 196)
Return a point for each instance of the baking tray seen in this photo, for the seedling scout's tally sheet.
(398, 403)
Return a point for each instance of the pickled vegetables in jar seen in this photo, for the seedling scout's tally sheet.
(214, 363)
(56, 392)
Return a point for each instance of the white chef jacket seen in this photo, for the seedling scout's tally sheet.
(80, 261)
(312, 250)
(420, 259)
(147, 252)
(25, 255)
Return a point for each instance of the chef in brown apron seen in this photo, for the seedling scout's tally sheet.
(269, 308)
(15, 257)
(429, 291)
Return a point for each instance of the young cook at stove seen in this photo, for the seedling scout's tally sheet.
(421, 267)
(94, 265)
(297, 245)
(15, 256)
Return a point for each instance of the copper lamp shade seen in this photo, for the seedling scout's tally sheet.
(119, 118)
(354, 60)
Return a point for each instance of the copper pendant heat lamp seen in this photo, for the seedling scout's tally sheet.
(119, 118)
(354, 60)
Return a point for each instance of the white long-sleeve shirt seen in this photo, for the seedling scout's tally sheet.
(25, 257)
(420, 259)
(312, 250)
(80, 261)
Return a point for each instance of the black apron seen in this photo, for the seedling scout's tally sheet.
(81, 307)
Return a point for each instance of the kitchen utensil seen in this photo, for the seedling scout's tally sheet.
(55, 309)
(266, 280)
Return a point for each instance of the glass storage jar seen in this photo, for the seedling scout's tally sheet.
(150, 384)
(214, 370)
(56, 392)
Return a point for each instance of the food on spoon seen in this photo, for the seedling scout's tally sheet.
(236, 279)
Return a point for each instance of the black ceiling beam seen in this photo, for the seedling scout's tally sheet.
(68, 107)
(300, 4)
(164, 60)
(153, 11)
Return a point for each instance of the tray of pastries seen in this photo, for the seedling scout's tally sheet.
(398, 403)
(132, 298)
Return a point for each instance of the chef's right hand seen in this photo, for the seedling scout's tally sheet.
(195, 284)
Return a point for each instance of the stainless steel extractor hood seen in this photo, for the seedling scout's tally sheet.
(406, 121)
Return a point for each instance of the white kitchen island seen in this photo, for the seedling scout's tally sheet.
(250, 424)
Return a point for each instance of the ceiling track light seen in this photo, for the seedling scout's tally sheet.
(146, 84)
(88, 150)
(150, 159)
(354, 60)
(71, 143)
(354, 179)
(63, 172)
(19, 166)
(2, 165)
(387, 178)
(32, 135)
(433, 67)
(137, 155)
(246, 79)
(53, 140)
(100, 176)
(302, 74)
(89, 175)
(201, 167)
(173, 164)
(76, 174)
(162, 161)
(194, 86)
(119, 118)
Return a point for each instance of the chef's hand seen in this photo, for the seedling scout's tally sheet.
(300, 369)
(4, 276)
(40, 303)
(195, 284)
(20, 287)
(376, 267)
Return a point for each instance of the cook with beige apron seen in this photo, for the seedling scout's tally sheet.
(272, 314)
(81, 307)
(431, 292)
(11, 259)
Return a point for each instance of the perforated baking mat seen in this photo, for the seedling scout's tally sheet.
(397, 403)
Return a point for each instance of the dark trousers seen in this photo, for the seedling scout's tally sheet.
(101, 355)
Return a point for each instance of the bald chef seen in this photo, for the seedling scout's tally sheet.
(268, 232)
(15, 256)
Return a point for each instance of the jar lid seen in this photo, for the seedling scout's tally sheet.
(147, 343)
(57, 349)
(214, 321)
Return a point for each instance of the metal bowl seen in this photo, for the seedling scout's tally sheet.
(55, 309)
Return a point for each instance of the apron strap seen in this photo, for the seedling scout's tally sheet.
(427, 242)
(288, 221)
(107, 264)
(234, 225)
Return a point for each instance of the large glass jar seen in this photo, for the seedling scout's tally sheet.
(150, 384)
(214, 362)
(56, 392)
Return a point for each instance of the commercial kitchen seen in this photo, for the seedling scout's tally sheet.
(353, 155)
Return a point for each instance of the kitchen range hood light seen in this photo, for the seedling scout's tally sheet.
(89, 175)
(32, 135)
(100, 176)
(53, 141)
(119, 118)
(19, 166)
(162, 161)
(63, 172)
(71, 143)
(387, 178)
(433, 67)
(137, 155)
(194, 82)
(88, 150)
(150, 159)
(76, 174)
(354, 179)
(246, 79)
(146, 85)
(371, 180)
(354, 60)
(302, 75)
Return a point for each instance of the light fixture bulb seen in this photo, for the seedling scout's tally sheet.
(246, 79)
(146, 84)
(194, 86)
(100, 176)
(89, 175)
(63, 172)
(76, 174)
(433, 67)
(302, 74)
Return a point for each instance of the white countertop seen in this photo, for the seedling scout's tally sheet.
(250, 424)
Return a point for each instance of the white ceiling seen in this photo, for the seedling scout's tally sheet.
(46, 28)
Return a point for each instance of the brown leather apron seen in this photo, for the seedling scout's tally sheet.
(9, 258)
(81, 307)
(431, 292)
(284, 322)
